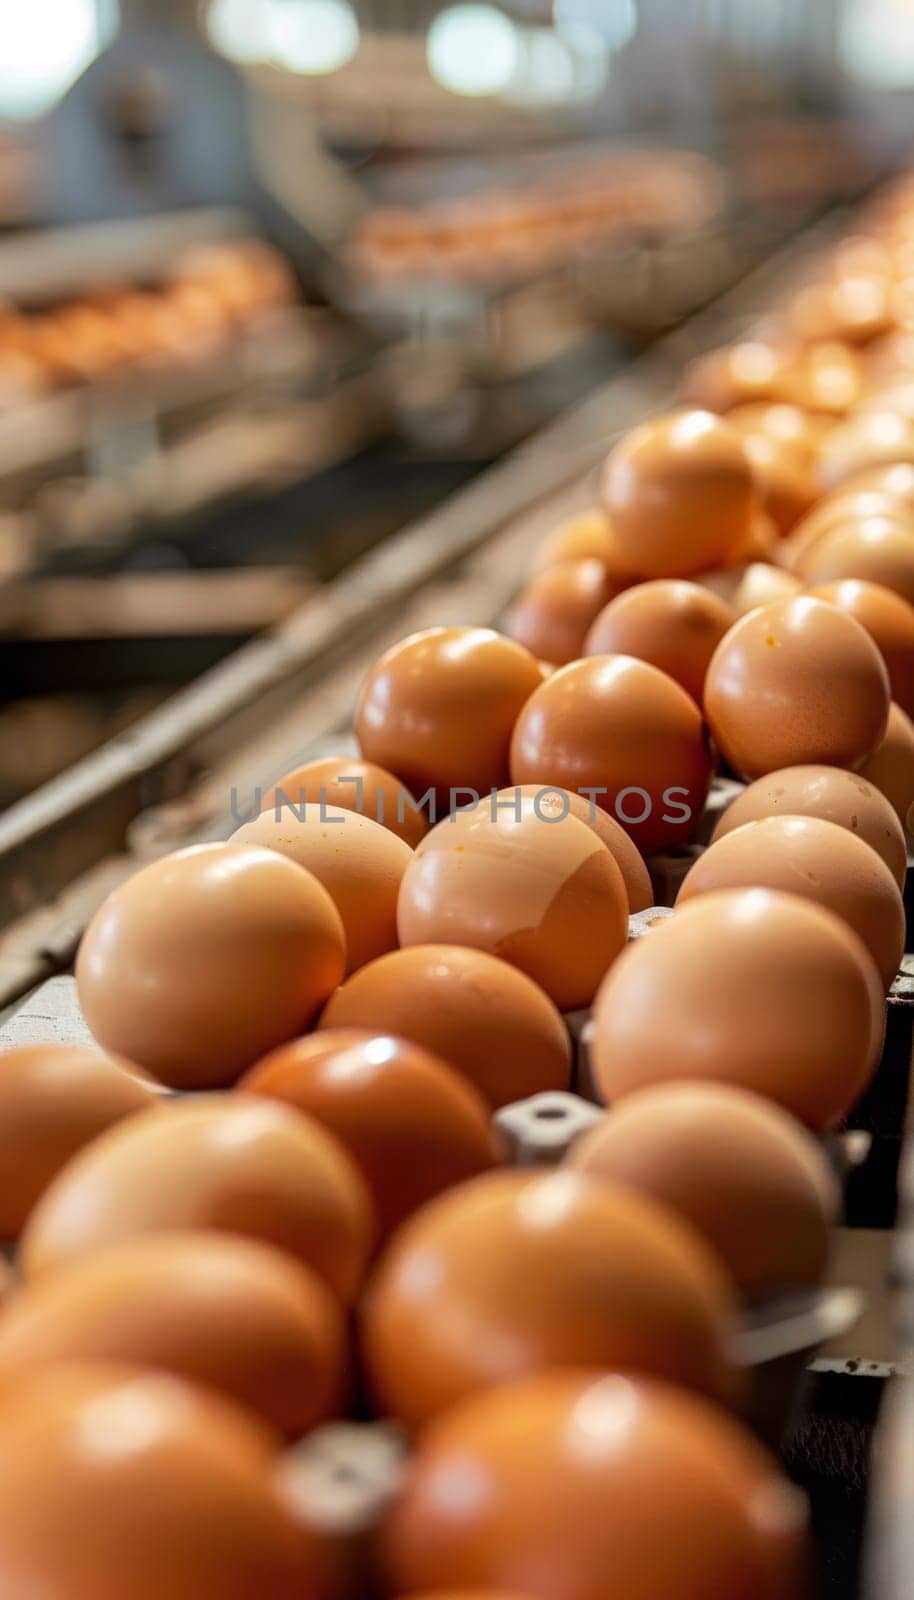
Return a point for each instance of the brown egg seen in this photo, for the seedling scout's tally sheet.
(585, 537)
(681, 493)
(856, 307)
(786, 482)
(553, 612)
(889, 621)
(345, 783)
(203, 961)
(467, 1594)
(798, 681)
(896, 397)
(555, 802)
(788, 424)
(233, 1163)
(674, 625)
(759, 544)
(412, 1125)
(596, 1486)
(540, 891)
(868, 439)
(759, 583)
(539, 1271)
(482, 1016)
(359, 863)
(891, 766)
(876, 549)
(624, 733)
(736, 375)
(232, 1314)
(829, 379)
(847, 506)
(820, 862)
(895, 478)
(743, 1172)
(119, 1482)
(54, 1099)
(845, 798)
(761, 990)
(439, 707)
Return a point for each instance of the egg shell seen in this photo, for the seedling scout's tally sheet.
(556, 607)
(889, 621)
(891, 766)
(232, 1314)
(796, 682)
(680, 492)
(836, 796)
(877, 549)
(235, 1164)
(743, 1172)
(486, 1019)
(758, 584)
(412, 1125)
(738, 374)
(618, 725)
(554, 802)
(674, 625)
(846, 507)
(346, 783)
(467, 1594)
(596, 1486)
(517, 1273)
(589, 534)
(759, 544)
(54, 1099)
(761, 990)
(867, 439)
(789, 424)
(785, 480)
(202, 961)
(897, 397)
(820, 862)
(118, 1481)
(359, 863)
(895, 478)
(438, 708)
(541, 892)
(830, 378)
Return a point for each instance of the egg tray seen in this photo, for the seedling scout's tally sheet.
(779, 1337)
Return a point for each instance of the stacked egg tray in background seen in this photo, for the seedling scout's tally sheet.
(819, 1361)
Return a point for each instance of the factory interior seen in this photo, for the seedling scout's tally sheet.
(456, 511)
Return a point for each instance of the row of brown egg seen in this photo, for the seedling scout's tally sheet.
(509, 231)
(350, 993)
(210, 293)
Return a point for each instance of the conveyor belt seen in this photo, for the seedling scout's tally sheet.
(59, 848)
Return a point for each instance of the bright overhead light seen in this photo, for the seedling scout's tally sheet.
(473, 49)
(876, 43)
(615, 21)
(44, 46)
(313, 36)
(240, 29)
(545, 74)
